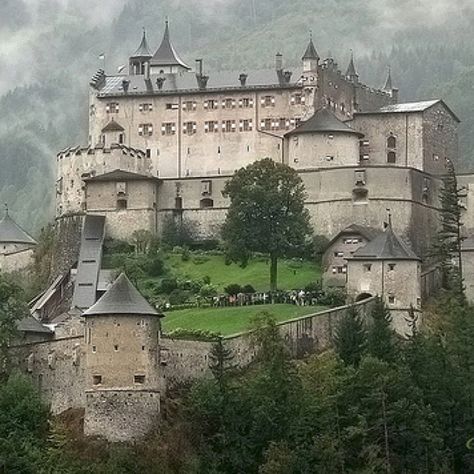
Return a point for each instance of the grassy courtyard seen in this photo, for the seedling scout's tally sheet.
(291, 274)
(232, 320)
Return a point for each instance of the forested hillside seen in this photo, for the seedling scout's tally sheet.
(49, 49)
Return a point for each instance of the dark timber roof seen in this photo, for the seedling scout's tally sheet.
(323, 121)
(387, 246)
(143, 50)
(30, 324)
(166, 55)
(310, 52)
(121, 298)
(121, 175)
(12, 233)
(113, 126)
(351, 70)
(368, 232)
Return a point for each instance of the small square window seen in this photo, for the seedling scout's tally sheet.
(97, 379)
(391, 299)
(139, 379)
(329, 158)
(367, 267)
(391, 266)
(94, 349)
(116, 348)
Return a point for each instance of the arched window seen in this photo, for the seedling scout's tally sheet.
(391, 157)
(391, 142)
(206, 203)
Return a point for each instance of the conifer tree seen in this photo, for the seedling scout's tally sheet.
(447, 247)
(381, 341)
(220, 363)
(350, 338)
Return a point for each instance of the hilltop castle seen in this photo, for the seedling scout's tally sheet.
(163, 140)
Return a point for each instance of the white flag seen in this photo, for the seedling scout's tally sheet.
(102, 56)
(121, 68)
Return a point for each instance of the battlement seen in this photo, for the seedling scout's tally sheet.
(101, 150)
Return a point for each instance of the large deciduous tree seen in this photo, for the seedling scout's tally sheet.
(266, 213)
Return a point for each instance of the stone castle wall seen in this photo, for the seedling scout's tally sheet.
(16, 261)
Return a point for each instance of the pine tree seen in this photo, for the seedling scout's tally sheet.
(350, 338)
(447, 247)
(220, 363)
(381, 341)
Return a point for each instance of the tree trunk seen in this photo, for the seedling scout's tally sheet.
(273, 272)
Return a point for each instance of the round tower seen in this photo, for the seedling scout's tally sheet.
(122, 364)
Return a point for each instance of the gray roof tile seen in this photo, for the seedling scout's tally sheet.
(11, 232)
(122, 298)
(166, 55)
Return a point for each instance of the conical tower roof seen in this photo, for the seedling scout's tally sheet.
(166, 55)
(388, 82)
(143, 50)
(386, 246)
(310, 52)
(323, 121)
(351, 70)
(12, 233)
(121, 298)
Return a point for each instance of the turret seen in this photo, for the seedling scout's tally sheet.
(122, 371)
(140, 59)
(310, 57)
(388, 87)
(351, 73)
(166, 60)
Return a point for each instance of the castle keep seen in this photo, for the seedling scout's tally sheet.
(163, 141)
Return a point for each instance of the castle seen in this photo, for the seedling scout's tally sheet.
(163, 140)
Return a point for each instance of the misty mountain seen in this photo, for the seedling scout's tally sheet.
(49, 50)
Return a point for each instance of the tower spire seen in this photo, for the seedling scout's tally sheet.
(310, 57)
(388, 82)
(351, 72)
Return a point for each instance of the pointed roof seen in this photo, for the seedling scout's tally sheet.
(351, 70)
(143, 50)
(121, 175)
(323, 121)
(367, 232)
(310, 52)
(386, 246)
(166, 55)
(388, 82)
(121, 298)
(12, 233)
(113, 126)
(30, 324)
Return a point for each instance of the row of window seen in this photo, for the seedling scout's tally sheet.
(212, 104)
(214, 126)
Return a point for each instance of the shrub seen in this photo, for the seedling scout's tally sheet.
(195, 334)
(233, 289)
(155, 266)
(313, 287)
(178, 231)
(112, 246)
(333, 297)
(178, 296)
(186, 255)
(206, 244)
(168, 285)
(206, 279)
(248, 289)
(200, 259)
(208, 291)
(190, 285)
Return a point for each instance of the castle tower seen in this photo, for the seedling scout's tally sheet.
(12, 237)
(387, 267)
(122, 364)
(351, 73)
(139, 60)
(166, 60)
(388, 87)
(310, 57)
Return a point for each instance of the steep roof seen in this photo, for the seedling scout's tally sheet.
(388, 83)
(310, 52)
(368, 232)
(121, 175)
(386, 246)
(12, 233)
(143, 50)
(30, 324)
(121, 298)
(113, 126)
(324, 121)
(351, 70)
(166, 55)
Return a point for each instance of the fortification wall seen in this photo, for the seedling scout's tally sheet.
(57, 369)
(16, 261)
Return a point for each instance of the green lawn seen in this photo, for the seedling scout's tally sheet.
(291, 274)
(227, 321)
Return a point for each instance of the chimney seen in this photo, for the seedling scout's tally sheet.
(125, 85)
(201, 78)
(287, 76)
(160, 81)
(243, 79)
(147, 71)
(279, 62)
(198, 67)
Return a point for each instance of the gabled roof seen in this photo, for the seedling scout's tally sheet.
(310, 52)
(113, 126)
(386, 246)
(121, 175)
(367, 232)
(409, 107)
(30, 324)
(143, 50)
(324, 121)
(121, 298)
(166, 55)
(12, 233)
